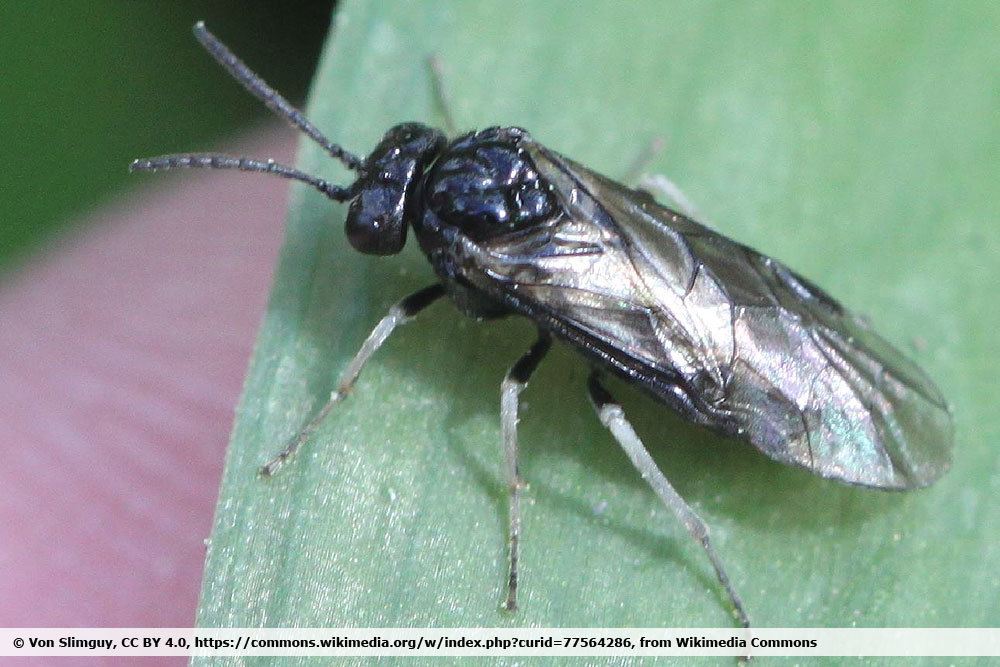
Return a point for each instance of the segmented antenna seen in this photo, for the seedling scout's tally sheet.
(276, 103)
(270, 97)
(219, 161)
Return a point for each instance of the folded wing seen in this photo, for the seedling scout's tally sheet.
(734, 339)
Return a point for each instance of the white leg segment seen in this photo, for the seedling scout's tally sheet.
(400, 313)
(510, 389)
(658, 183)
(613, 418)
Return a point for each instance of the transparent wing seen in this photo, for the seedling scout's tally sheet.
(731, 338)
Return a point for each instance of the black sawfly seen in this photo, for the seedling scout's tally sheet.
(729, 338)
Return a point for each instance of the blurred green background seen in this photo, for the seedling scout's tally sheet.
(87, 85)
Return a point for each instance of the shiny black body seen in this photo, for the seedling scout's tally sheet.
(731, 339)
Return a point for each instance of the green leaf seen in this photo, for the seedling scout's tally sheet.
(858, 143)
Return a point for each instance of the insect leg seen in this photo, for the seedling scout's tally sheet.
(514, 382)
(613, 418)
(660, 184)
(643, 160)
(441, 96)
(401, 313)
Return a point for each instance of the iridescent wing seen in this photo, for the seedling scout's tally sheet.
(731, 338)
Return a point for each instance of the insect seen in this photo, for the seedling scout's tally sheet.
(729, 338)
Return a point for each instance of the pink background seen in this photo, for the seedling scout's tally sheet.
(122, 356)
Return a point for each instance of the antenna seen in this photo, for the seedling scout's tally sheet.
(278, 105)
(270, 97)
(220, 161)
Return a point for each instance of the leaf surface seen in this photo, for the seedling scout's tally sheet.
(856, 143)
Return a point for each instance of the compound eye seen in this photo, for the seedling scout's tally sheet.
(375, 222)
(388, 188)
